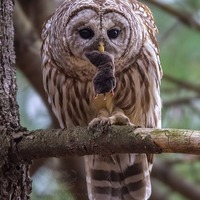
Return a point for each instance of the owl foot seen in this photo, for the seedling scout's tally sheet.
(99, 122)
(119, 119)
(116, 119)
(96, 96)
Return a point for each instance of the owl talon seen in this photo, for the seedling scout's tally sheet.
(99, 122)
(119, 119)
(112, 93)
(96, 96)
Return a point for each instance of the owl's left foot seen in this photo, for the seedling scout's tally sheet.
(120, 119)
(99, 122)
(104, 120)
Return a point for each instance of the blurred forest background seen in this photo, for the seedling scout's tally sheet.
(174, 176)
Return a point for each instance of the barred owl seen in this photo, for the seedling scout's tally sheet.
(127, 30)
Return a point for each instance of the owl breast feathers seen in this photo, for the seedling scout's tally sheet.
(127, 31)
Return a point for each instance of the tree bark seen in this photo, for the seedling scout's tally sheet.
(105, 140)
(14, 180)
(183, 17)
(27, 45)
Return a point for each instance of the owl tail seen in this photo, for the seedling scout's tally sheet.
(119, 177)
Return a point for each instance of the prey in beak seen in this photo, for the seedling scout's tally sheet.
(104, 80)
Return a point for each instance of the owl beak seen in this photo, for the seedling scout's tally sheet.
(101, 47)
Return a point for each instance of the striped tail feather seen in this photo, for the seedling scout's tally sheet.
(119, 177)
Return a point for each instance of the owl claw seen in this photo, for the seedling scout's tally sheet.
(112, 93)
(119, 119)
(99, 122)
(95, 96)
(122, 120)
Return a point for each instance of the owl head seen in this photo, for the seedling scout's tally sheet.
(78, 26)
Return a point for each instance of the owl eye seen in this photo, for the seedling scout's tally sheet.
(86, 33)
(113, 33)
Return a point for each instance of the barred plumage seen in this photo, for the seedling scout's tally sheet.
(68, 75)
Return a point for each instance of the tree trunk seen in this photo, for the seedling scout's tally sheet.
(14, 179)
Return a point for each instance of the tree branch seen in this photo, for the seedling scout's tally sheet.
(177, 183)
(107, 139)
(14, 171)
(183, 18)
(180, 101)
(38, 11)
(183, 84)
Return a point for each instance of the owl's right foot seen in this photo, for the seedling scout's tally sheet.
(116, 119)
(99, 122)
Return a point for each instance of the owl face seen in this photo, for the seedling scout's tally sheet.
(90, 26)
(78, 26)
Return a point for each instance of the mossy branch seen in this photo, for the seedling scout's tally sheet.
(105, 140)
